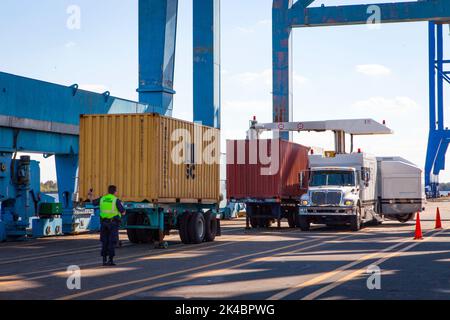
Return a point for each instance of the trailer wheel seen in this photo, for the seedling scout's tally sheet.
(266, 223)
(132, 235)
(210, 227)
(145, 235)
(303, 223)
(405, 218)
(184, 228)
(197, 228)
(260, 223)
(355, 221)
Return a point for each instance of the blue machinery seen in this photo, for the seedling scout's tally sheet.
(288, 14)
(41, 117)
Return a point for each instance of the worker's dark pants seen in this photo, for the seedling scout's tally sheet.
(109, 236)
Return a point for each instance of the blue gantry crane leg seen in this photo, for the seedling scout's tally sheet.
(289, 14)
(157, 47)
(157, 44)
(439, 136)
(206, 38)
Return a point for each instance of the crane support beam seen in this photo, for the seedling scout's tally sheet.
(206, 37)
(282, 64)
(288, 15)
(413, 11)
(350, 126)
(157, 39)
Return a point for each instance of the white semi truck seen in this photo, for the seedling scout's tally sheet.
(353, 188)
(356, 188)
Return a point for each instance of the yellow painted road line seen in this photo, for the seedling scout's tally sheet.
(177, 247)
(356, 273)
(41, 241)
(211, 273)
(175, 273)
(136, 258)
(50, 255)
(328, 275)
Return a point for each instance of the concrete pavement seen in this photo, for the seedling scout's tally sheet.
(257, 264)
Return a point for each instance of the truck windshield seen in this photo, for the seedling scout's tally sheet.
(332, 178)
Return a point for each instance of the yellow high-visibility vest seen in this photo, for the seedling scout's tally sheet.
(108, 207)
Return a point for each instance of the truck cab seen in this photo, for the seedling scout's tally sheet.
(341, 191)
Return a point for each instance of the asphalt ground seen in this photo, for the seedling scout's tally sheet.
(379, 262)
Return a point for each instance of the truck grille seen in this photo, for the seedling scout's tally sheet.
(321, 198)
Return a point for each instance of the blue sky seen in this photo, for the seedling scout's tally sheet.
(340, 72)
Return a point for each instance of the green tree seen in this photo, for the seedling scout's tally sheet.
(49, 186)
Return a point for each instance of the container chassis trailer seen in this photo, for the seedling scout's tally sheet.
(150, 223)
(262, 213)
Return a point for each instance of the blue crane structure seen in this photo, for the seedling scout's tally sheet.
(41, 117)
(289, 14)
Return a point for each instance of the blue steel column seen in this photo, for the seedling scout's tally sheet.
(432, 140)
(206, 55)
(440, 76)
(66, 172)
(282, 64)
(157, 38)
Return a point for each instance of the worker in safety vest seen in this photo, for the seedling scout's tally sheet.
(111, 210)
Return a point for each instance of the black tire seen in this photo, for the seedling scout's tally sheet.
(264, 223)
(291, 220)
(405, 218)
(197, 228)
(355, 221)
(303, 223)
(184, 228)
(267, 223)
(211, 226)
(132, 234)
(144, 235)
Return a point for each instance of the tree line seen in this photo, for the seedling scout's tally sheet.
(49, 186)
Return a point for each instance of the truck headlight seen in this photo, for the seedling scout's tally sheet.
(349, 203)
(305, 202)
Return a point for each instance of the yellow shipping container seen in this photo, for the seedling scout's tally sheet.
(149, 157)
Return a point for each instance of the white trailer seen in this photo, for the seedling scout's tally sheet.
(400, 188)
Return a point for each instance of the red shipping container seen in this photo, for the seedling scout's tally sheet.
(258, 169)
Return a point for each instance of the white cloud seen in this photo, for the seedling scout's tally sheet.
(397, 104)
(373, 70)
(266, 22)
(248, 78)
(99, 88)
(299, 79)
(70, 44)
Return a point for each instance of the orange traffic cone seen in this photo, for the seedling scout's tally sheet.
(438, 219)
(419, 235)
